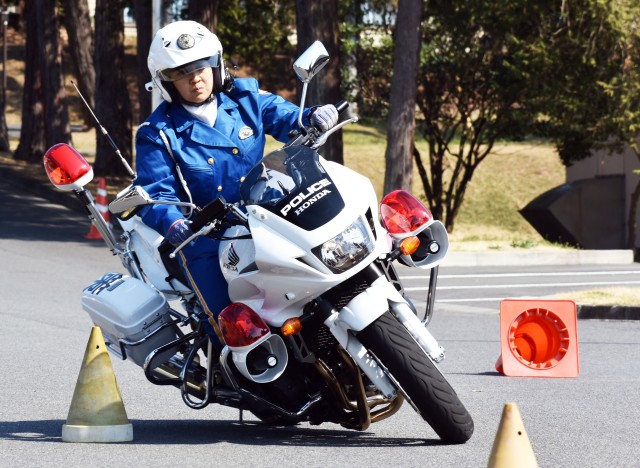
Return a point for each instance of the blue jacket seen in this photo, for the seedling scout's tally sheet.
(213, 160)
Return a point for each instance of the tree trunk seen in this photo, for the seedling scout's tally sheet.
(112, 99)
(4, 131)
(32, 143)
(204, 12)
(144, 28)
(78, 25)
(319, 21)
(401, 121)
(56, 121)
(56, 116)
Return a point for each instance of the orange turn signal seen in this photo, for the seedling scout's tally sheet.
(409, 245)
(291, 326)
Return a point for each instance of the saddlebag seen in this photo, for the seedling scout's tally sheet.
(134, 317)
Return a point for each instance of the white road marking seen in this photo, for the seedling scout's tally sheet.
(521, 275)
(526, 285)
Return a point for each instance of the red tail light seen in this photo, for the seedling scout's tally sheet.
(402, 213)
(66, 168)
(241, 325)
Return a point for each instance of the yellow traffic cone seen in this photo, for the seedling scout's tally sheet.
(97, 413)
(511, 447)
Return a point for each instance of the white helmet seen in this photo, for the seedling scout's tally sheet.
(182, 47)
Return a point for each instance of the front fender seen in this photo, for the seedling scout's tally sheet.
(369, 305)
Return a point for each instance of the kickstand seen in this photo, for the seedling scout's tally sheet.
(240, 415)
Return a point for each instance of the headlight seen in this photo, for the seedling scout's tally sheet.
(347, 249)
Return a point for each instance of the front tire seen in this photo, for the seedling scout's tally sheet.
(419, 378)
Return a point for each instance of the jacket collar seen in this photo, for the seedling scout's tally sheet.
(203, 133)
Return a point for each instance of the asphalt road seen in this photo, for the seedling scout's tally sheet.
(588, 421)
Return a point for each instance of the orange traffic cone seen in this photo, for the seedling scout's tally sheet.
(538, 338)
(511, 446)
(97, 413)
(101, 204)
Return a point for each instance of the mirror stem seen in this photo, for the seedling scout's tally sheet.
(304, 97)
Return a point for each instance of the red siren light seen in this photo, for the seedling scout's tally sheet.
(241, 325)
(66, 168)
(402, 214)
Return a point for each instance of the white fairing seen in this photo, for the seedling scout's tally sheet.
(286, 274)
(145, 242)
(236, 255)
(279, 270)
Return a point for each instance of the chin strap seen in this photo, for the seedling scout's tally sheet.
(198, 104)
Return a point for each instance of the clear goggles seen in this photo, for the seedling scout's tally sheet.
(173, 74)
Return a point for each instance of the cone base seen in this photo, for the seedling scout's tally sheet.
(97, 434)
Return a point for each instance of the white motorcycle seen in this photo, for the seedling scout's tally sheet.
(319, 329)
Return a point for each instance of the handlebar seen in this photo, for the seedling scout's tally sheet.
(214, 210)
(341, 105)
(312, 137)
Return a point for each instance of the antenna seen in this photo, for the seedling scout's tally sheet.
(106, 134)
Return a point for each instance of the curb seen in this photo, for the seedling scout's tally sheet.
(604, 312)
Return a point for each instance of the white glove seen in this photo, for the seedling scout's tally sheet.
(325, 117)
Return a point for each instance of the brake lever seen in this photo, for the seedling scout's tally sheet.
(206, 229)
(323, 138)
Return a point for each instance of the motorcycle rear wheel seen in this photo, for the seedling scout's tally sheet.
(419, 378)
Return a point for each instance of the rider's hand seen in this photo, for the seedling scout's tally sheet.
(325, 117)
(179, 232)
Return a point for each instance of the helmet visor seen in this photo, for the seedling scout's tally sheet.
(173, 74)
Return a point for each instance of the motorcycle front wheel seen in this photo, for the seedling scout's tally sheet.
(419, 378)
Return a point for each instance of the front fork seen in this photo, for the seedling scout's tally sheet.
(363, 310)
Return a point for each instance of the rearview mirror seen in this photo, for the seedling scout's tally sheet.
(133, 197)
(311, 62)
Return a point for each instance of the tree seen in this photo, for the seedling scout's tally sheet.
(518, 68)
(204, 12)
(624, 91)
(56, 128)
(367, 48)
(401, 121)
(4, 131)
(31, 146)
(144, 30)
(113, 106)
(78, 25)
(319, 21)
(587, 47)
(474, 80)
(266, 53)
(45, 120)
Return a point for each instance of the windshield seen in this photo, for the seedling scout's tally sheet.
(292, 183)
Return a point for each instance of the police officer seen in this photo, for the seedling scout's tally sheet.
(201, 141)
